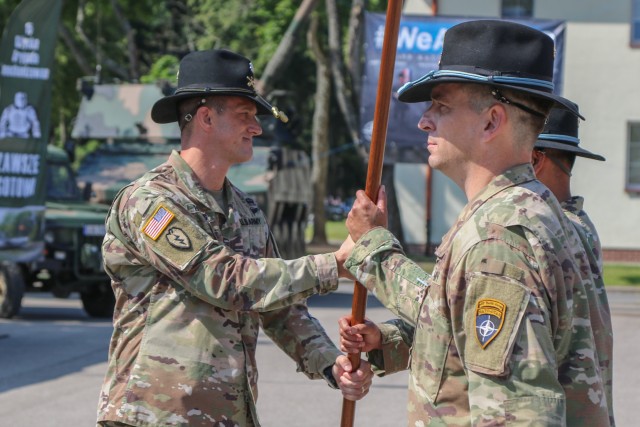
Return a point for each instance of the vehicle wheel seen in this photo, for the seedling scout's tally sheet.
(11, 289)
(98, 300)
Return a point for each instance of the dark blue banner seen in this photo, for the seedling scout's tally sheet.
(420, 41)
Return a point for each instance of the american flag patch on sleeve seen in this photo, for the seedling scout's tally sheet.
(158, 222)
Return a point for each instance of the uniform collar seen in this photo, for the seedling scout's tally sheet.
(573, 204)
(511, 177)
(189, 181)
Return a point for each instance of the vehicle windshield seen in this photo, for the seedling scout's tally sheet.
(61, 183)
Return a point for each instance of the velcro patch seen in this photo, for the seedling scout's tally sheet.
(173, 235)
(158, 222)
(489, 319)
(494, 309)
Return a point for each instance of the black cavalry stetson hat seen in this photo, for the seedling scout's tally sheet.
(207, 73)
(501, 54)
(561, 133)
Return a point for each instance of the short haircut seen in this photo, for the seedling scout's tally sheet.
(191, 105)
(528, 125)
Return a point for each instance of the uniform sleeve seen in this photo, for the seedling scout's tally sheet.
(301, 336)
(379, 263)
(502, 330)
(165, 240)
(397, 339)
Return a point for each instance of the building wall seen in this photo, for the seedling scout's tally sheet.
(602, 75)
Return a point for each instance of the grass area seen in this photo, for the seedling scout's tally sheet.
(336, 231)
(622, 274)
(614, 274)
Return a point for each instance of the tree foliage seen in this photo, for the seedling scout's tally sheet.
(124, 41)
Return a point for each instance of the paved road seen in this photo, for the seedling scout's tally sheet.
(52, 360)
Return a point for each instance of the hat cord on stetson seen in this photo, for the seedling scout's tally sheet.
(557, 137)
(526, 81)
(212, 89)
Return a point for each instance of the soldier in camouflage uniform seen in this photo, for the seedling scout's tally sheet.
(553, 157)
(503, 331)
(196, 272)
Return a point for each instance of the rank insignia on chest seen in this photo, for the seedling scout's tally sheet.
(158, 222)
(489, 319)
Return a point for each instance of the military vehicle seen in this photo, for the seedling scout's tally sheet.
(71, 260)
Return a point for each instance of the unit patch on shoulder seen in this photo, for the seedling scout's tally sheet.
(158, 222)
(490, 314)
(178, 238)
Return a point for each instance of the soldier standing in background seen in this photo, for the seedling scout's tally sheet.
(553, 157)
(502, 332)
(195, 271)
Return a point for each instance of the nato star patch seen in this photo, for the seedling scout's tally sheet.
(490, 315)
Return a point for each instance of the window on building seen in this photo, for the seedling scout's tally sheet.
(518, 8)
(633, 158)
(635, 23)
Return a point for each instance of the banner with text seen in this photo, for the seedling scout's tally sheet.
(26, 60)
(418, 52)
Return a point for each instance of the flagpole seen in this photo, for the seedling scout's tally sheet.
(374, 170)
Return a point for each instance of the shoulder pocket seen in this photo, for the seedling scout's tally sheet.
(171, 234)
(495, 305)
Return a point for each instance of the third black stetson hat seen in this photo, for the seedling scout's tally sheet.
(501, 54)
(561, 133)
(207, 73)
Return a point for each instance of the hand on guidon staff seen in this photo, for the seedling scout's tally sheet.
(365, 215)
(354, 385)
(341, 256)
(359, 338)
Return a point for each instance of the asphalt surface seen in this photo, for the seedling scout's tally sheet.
(53, 358)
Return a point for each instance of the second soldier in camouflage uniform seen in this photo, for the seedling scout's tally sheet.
(195, 271)
(501, 333)
(553, 157)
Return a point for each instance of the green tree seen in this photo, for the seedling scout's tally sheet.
(111, 41)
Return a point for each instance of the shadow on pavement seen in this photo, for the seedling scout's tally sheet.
(49, 339)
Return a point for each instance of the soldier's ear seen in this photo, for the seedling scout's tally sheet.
(204, 115)
(494, 118)
(537, 158)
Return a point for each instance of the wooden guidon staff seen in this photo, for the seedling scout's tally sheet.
(374, 170)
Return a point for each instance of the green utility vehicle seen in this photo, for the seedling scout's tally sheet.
(71, 260)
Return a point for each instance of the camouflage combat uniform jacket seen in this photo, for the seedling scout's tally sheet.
(191, 294)
(600, 312)
(501, 332)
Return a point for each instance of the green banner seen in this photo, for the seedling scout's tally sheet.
(26, 60)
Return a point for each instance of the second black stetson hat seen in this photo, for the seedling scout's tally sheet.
(206, 73)
(561, 133)
(501, 54)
